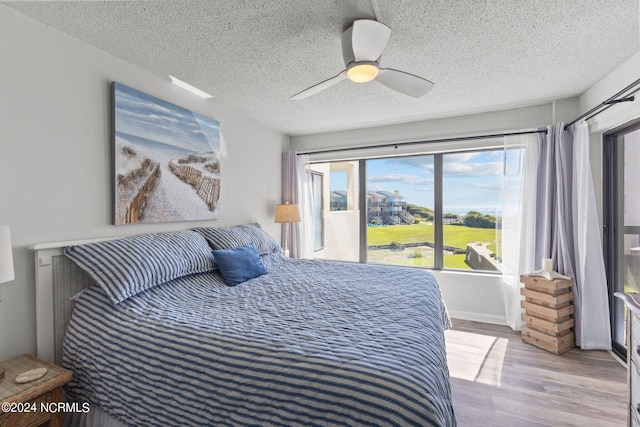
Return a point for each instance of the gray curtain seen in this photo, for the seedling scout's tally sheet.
(565, 209)
(555, 171)
(290, 195)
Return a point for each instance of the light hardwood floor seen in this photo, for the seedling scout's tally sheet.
(497, 380)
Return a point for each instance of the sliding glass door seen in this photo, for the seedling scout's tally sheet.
(622, 222)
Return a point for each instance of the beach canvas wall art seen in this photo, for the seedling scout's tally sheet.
(166, 161)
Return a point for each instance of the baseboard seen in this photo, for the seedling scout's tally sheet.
(478, 317)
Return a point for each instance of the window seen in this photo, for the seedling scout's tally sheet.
(622, 223)
(400, 214)
(438, 210)
(472, 194)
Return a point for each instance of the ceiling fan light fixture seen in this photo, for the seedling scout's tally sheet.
(362, 72)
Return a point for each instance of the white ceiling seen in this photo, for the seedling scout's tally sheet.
(253, 55)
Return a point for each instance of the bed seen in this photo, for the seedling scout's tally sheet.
(303, 343)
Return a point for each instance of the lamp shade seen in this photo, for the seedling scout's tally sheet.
(287, 213)
(6, 255)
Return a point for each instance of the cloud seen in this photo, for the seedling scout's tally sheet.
(375, 187)
(473, 169)
(401, 179)
(415, 161)
(487, 186)
(143, 115)
(456, 164)
(460, 157)
(481, 189)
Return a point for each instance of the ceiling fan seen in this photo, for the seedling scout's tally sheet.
(362, 47)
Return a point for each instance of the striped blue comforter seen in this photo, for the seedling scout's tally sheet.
(310, 343)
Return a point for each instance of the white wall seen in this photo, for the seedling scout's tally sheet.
(55, 155)
(474, 124)
(469, 296)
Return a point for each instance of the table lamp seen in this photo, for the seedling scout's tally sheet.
(286, 214)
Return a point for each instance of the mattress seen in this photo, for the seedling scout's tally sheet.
(310, 343)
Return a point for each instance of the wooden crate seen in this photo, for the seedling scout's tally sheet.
(547, 300)
(544, 326)
(548, 314)
(548, 308)
(555, 344)
(551, 287)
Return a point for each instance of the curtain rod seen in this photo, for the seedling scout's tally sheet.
(430, 141)
(607, 103)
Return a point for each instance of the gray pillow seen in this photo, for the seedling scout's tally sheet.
(239, 235)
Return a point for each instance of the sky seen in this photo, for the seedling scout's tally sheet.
(146, 116)
(472, 180)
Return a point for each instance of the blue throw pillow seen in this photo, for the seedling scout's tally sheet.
(239, 264)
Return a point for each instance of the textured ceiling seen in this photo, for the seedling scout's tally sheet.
(253, 55)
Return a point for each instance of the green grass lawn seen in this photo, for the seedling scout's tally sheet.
(454, 235)
(456, 261)
(383, 235)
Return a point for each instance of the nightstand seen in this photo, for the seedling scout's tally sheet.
(547, 321)
(37, 394)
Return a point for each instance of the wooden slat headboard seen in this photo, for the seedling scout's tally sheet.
(57, 280)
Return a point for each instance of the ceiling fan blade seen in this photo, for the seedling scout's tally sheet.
(320, 86)
(368, 39)
(406, 83)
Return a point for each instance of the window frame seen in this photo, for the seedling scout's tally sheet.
(438, 155)
(313, 176)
